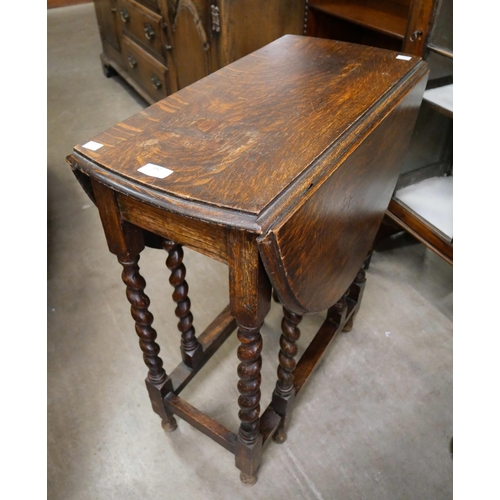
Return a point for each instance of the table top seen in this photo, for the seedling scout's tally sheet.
(243, 136)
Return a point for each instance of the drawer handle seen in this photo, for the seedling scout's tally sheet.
(156, 82)
(149, 31)
(132, 61)
(124, 15)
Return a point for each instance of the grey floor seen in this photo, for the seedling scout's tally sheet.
(375, 422)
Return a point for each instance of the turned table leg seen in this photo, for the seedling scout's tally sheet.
(126, 242)
(157, 381)
(191, 349)
(355, 293)
(338, 311)
(284, 392)
(250, 301)
(249, 439)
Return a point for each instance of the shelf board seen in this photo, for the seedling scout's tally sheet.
(389, 22)
(441, 98)
(432, 200)
(442, 51)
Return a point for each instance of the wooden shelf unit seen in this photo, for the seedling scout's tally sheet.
(418, 219)
(400, 25)
(388, 18)
(427, 222)
(441, 99)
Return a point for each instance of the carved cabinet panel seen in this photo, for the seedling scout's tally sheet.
(191, 44)
(161, 46)
(106, 20)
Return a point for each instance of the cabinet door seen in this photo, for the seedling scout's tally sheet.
(191, 46)
(106, 19)
(248, 25)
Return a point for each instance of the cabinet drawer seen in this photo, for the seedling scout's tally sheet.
(149, 73)
(143, 26)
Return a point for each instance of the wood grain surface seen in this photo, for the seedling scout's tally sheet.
(299, 143)
(313, 256)
(239, 137)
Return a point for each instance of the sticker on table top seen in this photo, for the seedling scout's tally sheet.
(404, 58)
(155, 170)
(92, 145)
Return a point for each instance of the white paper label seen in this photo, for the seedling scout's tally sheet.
(404, 58)
(94, 146)
(155, 171)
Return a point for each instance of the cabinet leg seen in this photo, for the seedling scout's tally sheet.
(108, 70)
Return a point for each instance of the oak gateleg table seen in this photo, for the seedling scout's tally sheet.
(280, 165)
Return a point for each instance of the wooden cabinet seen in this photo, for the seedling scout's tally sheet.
(161, 46)
(108, 27)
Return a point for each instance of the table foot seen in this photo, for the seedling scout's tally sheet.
(248, 480)
(349, 324)
(169, 425)
(280, 436)
(248, 458)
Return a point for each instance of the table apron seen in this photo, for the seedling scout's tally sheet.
(203, 237)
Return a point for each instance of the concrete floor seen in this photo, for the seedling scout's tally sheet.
(374, 422)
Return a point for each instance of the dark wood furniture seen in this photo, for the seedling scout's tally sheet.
(161, 46)
(393, 24)
(422, 202)
(280, 165)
